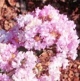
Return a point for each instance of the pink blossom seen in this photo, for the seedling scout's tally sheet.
(37, 30)
(4, 77)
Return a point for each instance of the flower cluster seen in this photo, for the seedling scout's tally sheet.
(34, 33)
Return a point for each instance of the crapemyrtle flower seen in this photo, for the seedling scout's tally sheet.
(36, 31)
